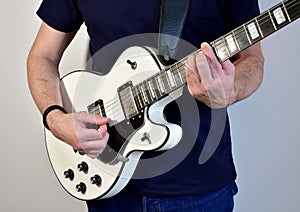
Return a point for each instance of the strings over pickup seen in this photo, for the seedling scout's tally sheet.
(127, 100)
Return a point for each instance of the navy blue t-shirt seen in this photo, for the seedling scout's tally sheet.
(108, 21)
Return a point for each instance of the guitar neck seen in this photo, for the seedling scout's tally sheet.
(225, 47)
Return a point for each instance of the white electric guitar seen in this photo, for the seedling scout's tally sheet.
(133, 96)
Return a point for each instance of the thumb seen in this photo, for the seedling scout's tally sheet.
(93, 119)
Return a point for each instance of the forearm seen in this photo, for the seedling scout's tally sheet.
(42, 65)
(248, 72)
(43, 80)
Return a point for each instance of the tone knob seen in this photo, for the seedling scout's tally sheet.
(69, 174)
(96, 180)
(83, 167)
(81, 187)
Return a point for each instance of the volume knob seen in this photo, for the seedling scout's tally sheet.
(83, 167)
(96, 180)
(69, 174)
(81, 187)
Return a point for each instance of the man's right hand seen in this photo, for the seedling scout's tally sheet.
(72, 129)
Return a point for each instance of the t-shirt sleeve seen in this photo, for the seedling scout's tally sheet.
(237, 12)
(62, 15)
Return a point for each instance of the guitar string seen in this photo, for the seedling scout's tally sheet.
(241, 33)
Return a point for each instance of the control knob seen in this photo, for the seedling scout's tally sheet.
(83, 167)
(96, 180)
(81, 187)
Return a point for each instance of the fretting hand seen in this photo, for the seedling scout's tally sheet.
(209, 81)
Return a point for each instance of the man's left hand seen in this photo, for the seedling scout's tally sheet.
(208, 80)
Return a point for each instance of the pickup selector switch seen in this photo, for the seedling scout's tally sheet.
(81, 187)
(96, 180)
(83, 167)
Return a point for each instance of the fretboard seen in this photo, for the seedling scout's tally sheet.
(239, 39)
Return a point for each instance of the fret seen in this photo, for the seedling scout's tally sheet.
(161, 86)
(221, 49)
(286, 12)
(274, 25)
(136, 98)
(293, 9)
(171, 78)
(258, 26)
(236, 42)
(140, 96)
(166, 82)
(150, 86)
(253, 32)
(231, 43)
(144, 97)
(266, 25)
(279, 16)
(177, 78)
(245, 29)
(156, 87)
(226, 47)
(179, 74)
(176, 75)
(182, 72)
(242, 38)
(183, 76)
(146, 89)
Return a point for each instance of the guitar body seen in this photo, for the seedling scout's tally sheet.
(146, 130)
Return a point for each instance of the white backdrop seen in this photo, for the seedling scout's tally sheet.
(265, 127)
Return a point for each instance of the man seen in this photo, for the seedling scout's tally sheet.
(190, 186)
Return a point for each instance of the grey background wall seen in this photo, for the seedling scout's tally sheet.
(265, 127)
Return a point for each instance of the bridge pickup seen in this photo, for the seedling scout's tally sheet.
(127, 100)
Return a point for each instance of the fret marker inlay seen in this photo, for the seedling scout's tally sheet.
(231, 44)
(279, 16)
(171, 80)
(253, 31)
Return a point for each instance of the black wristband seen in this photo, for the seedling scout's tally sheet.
(48, 110)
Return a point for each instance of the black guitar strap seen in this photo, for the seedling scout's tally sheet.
(172, 19)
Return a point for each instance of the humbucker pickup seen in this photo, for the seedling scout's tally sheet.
(127, 100)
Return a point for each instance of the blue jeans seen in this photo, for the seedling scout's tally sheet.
(219, 201)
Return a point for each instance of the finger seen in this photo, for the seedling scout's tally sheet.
(102, 130)
(192, 76)
(101, 120)
(203, 68)
(95, 145)
(228, 67)
(191, 64)
(211, 57)
(193, 82)
(95, 148)
(89, 135)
